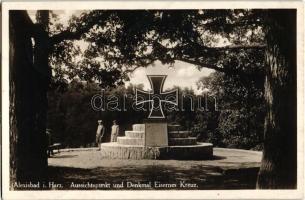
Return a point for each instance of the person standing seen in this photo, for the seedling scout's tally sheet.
(114, 131)
(99, 133)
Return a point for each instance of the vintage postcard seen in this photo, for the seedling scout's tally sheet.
(152, 100)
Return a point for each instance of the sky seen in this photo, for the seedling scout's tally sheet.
(181, 74)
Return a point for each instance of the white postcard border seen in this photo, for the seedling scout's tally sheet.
(169, 194)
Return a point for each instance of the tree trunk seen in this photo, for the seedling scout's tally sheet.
(279, 163)
(28, 103)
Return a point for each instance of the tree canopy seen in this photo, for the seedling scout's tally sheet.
(120, 41)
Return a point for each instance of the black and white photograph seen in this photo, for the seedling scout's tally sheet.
(199, 99)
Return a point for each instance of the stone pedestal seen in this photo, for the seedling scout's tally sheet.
(200, 151)
(156, 133)
(156, 140)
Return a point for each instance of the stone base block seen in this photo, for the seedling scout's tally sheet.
(156, 133)
(130, 141)
(138, 127)
(179, 134)
(172, 127)
(182, 141)
(201, 151)
(135, 134)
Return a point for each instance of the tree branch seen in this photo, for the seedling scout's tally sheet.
(189, 54)
(230, 47)
(97, 18)
(206, 65)
(67, 35)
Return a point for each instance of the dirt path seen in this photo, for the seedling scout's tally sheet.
(230, 169)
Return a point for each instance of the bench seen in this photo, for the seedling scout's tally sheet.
(55, 146)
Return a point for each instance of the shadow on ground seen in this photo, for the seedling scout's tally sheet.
(63, 156)
(202, 177)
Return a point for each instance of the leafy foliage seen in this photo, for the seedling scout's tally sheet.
(119, 41)
(72, 119)
(241, 111)
(237, 123)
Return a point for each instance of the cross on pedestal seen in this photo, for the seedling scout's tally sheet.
(156, 97)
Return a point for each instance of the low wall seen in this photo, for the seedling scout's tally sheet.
(199, 151)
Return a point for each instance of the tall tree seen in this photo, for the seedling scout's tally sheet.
(32, 48)
(280, 96)
(29, 77)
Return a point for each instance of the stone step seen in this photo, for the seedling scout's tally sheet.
(135, 134)
(138, 127)
(179, 134)
(182, 141)
(200, 151)
(130, 141)
(174, 127)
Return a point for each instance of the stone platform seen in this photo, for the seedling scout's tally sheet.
(180, 146)
(199, 151)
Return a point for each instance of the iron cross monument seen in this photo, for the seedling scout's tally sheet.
(156, 124)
